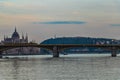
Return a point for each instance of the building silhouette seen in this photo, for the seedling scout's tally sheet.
(15, 38)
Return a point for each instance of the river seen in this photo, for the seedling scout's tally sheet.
(67, 67)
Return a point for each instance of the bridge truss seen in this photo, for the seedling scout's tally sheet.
(56, 48)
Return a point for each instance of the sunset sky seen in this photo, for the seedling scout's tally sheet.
(43, 19)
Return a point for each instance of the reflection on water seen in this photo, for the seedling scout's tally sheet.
(80, 67)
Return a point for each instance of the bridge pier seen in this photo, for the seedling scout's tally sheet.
(56, 55)
(55, 52)
(1, 56)
(114, 53)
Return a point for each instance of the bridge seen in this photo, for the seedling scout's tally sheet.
(56, 48)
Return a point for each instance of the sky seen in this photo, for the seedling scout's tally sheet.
(44, 19)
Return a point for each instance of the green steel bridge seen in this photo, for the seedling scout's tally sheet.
(56, 48)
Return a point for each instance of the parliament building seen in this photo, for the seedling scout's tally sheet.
(15, 38)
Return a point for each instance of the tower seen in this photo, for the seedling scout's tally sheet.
(22, 36)
(26, 39)
(4, 37)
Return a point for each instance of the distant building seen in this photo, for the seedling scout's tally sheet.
(15, 38)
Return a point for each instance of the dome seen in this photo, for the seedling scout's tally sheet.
(15, 34)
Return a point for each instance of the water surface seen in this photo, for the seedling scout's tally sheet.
(68, 67)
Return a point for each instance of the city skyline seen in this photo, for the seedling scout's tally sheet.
(43, 19)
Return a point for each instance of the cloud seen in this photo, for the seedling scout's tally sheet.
(60, 22)
(115, 24)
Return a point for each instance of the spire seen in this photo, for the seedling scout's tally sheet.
(22, 36)
(15, 29)
(26, 38)
(15, 34)
(4, 37)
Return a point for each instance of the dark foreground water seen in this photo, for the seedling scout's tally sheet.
(68, 67)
